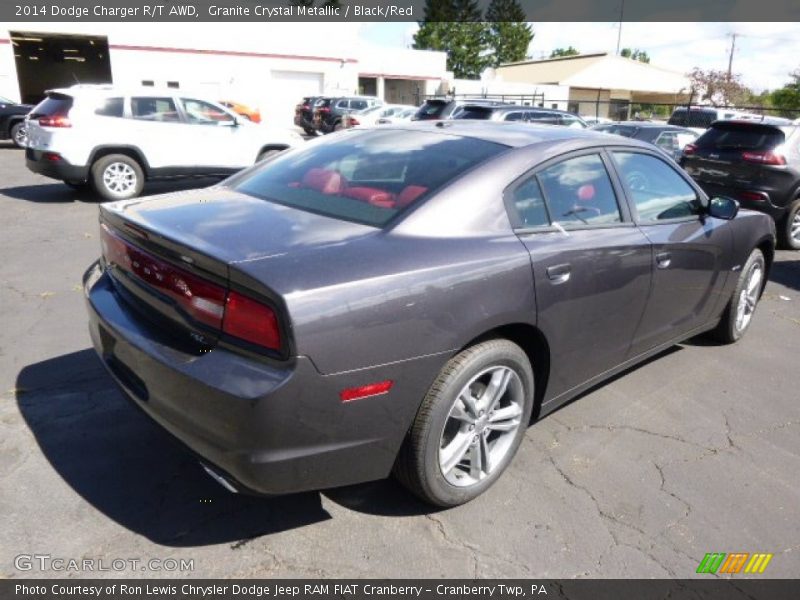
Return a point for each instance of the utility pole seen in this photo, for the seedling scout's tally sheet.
(619, 33)
(730, 58)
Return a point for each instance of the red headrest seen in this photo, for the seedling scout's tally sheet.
(323, 180)
(586, 192)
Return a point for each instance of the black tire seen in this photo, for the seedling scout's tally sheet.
(18, 135)
(417, 465)
(265, 154)
(134, 182)
(730, 329)
(310, 131)
(791, 221)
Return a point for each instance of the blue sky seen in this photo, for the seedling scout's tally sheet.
(765, 52)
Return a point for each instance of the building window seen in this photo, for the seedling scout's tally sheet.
(148, 82)
(173, 84)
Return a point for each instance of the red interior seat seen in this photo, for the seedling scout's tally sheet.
(372, 195)
(324, 180)
(409, 194)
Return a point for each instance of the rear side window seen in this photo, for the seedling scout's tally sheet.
(658, 192)
(474, 112)
(204, 113)
(738, 136)
(358, 104)
(514, 116)
(528, 205)
(53, 104)
(111, 107)
(154, 109)
(579, 192)
(432, 109)
(366, 176)
(544, 117)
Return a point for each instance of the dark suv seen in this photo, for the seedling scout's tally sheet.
(304, 114)
(329, 113)
(755, 163)
(12, 121)
(436, 109)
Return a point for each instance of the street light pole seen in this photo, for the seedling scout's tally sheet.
(619, 33)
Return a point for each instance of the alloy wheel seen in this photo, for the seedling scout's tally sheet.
(748, 297)
(481, 426)
(119, 178)
(794, 228)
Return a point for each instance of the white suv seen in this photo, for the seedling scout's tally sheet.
(115, 140)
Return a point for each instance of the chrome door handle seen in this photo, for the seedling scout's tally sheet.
(559, 273)
(663, 260)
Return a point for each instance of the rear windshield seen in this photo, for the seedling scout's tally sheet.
(432, 109)
(695, 117)
(741, 136)
(53, 104)
(624, 130)
(365, 176)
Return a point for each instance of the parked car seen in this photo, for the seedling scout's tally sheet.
(592, 120)
(12, 121)
(757, 164)
(373, 115)
(401, 117)
(669, 138)
(114, 139)
(525, 114)
(333, 114)
(304, 114)
(700, 118)
(251, 114)
(435, 109)
(402, 297)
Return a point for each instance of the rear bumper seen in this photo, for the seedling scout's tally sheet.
(56, 169)
(268, 428)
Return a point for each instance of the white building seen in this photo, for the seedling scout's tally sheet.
(268, 66)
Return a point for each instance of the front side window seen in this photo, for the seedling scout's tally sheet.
(367, 176)
(657, 190)
(579, 192)
(154, 109)
(204, 113)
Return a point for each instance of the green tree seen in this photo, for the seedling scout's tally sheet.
(455, 27)
(635, 54)
(509, 35)
(559, 52)
(787, 98)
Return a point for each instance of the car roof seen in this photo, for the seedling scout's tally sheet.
(645, 125)
(79, 90)
(513, 134)
(515, 107)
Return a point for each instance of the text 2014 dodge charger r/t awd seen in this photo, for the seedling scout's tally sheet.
(402, 299)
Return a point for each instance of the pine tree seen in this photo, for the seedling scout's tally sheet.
(509, 34)
(455, 27)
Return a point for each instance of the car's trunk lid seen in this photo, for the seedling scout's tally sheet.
(174, 258)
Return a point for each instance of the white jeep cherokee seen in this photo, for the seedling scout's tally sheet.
(114, 140)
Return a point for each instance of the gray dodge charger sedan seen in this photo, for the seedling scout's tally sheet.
(406, 299)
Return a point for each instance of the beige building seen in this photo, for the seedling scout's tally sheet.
(601, 84)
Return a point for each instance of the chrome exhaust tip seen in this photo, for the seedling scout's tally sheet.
(219, 479)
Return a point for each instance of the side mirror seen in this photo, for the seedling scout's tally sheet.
(722, 207)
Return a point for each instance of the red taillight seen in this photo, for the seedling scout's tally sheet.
(206, 302)
(200, 299)
(305, 107)
(354, 122)
(689, 149)
(251, 321)
(754, 196)
(324, 109)
(765, 158)
(52, 156)
(365, 391)
(55, 121)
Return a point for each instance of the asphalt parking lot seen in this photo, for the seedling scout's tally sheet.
(696, 451)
